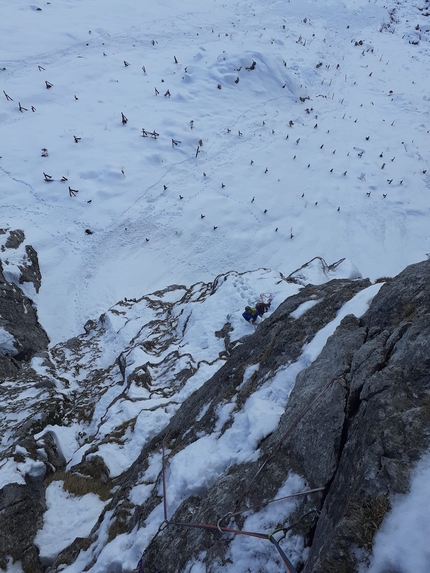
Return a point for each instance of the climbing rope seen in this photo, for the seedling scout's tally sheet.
(218, 527)
(263, 504)
(283, 437)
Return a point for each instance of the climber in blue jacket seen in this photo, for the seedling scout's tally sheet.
(250, 314)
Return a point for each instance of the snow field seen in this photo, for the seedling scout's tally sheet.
(124, 175)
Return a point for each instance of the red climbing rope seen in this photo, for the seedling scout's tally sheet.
(282, 438)
(271, 536)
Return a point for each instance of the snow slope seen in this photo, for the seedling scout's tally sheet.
(145, 412)
(343, 171)
(319, 148)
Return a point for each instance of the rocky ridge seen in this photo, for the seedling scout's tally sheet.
(359, 441)
(354, 421)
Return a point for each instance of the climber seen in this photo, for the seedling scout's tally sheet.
(250, 314)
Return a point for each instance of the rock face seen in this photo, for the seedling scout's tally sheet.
(386, 425)
(359, 440)
(21, 335)
(355, 422)
(19, 318)
(21, 515)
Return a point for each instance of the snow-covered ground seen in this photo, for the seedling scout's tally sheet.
(282, 131)
(344, 171)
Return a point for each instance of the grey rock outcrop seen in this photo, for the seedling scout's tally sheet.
(21, 515)
(367, 427)
(28, 266)
(355, 424)
(19, 318)
(386, 428)
(30, 270)
(14, 239)
(21, 335)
